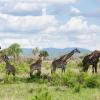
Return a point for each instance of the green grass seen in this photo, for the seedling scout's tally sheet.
(69, 86)
(28, 91)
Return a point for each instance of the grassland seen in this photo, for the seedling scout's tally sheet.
(73, 85)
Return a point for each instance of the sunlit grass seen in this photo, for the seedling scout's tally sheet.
(72, 85)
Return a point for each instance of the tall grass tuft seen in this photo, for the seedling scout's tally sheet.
(42, 93)
(64, 79)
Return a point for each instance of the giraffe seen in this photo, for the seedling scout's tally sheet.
(91, 59)
(36, 66)
(10, 69)
(62, 61)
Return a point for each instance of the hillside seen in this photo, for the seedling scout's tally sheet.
(54, 52)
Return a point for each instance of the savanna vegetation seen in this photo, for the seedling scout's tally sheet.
(71, 85)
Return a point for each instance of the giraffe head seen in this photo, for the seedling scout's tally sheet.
(96, 53)
(5, 58)
(76, 50)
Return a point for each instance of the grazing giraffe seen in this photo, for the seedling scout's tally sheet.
(36, 66)
(10, 69)
(62, 61)
(91, 59)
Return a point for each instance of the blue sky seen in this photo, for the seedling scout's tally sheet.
(50, 23)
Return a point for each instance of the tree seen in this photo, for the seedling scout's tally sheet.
(4, 52)
(14, 50)
(35, 51)
(44, 53)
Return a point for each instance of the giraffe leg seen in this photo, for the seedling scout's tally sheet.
(96, 68)
(63, 68)
(31, 72)
(86, 68)
(7, 72)
(39, 71)
(13, 75)
(53, 69)
(93, 69)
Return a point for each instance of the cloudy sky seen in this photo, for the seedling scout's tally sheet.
(50, 23)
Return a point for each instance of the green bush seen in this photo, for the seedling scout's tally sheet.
(2, 67)
(56, 79)
(81, 77)
(91, 81)
(69, 79)
(42, 93)
(22, 68)
(8, 79)
(46, 65)
(77, 88)
(64, 79)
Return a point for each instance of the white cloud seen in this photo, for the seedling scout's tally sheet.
(26, 6)
(75, 10)
(75, 24)
(76, 32)
(26, 23)
(45, 30)
(42, 1)
(29, 7)
(81, 32)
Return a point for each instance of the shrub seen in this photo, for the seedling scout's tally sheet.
(77, 88)
(46, 65)
(2, 67)
(81, 77)
(22, 68)
(42, 94)
(56, 79)
(64, 79)
(69, 79)
(91, 81)
(9, 79)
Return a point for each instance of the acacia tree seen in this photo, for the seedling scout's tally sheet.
(35, 51)
(44, 53)
(14, 50)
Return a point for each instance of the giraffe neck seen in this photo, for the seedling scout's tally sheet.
(68, 56)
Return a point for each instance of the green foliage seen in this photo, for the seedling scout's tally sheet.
(77, 88)
(56, 79)
(42, 94)
(91, 81)
(71, 79)
(81, 77)
(22, 67)
(44, 53)
(66, 79)
(46, 65)
(14, 50)
(87, 80)
(8, 79)
(80, 64)
(2, 67)
(29, 61)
